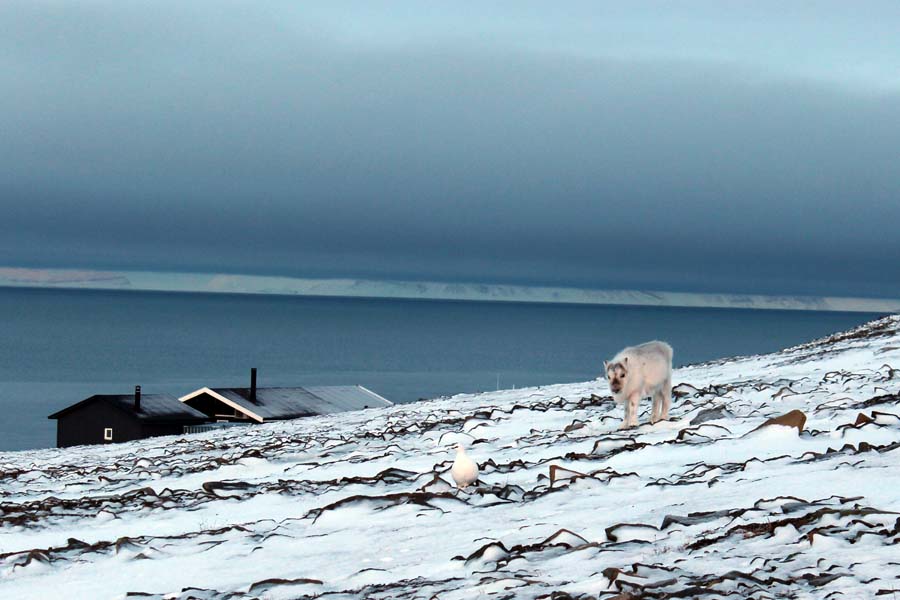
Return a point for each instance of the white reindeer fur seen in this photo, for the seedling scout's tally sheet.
(640, 372)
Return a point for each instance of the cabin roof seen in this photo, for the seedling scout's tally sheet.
(348, 397)
(154, 407)
(274, 403)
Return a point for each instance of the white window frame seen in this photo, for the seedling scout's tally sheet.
(107, 434)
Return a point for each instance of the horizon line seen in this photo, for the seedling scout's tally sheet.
(224, 283)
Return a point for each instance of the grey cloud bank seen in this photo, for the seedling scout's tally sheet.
(704, 150)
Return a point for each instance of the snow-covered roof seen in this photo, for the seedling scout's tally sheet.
(337, 398)
(275, 403)
(359, 505)
(154, 407)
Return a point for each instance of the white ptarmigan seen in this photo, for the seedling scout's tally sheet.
(464, 470)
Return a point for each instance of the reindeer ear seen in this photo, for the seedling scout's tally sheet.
(605, 365)
(625, 361)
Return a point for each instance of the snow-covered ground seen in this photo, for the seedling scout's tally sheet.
(360, 506)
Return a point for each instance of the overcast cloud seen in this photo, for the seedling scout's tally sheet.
(711, 147)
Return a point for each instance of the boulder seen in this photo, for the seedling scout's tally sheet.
(795, 418)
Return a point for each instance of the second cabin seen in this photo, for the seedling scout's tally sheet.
(263, 404)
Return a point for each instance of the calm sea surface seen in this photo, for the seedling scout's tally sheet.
(60, 346)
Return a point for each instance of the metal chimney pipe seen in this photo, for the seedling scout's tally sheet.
(253, 384)
(137, 397)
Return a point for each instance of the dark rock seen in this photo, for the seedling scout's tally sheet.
(711, 414)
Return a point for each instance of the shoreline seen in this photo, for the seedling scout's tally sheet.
(488, 293)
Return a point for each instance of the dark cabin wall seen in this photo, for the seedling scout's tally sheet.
(85, 425)
(155, 429)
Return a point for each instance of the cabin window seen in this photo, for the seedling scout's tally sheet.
(107, 434)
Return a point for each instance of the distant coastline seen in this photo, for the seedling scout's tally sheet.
(425, 290)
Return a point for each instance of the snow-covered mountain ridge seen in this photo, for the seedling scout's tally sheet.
(428, 290)
(360, 505)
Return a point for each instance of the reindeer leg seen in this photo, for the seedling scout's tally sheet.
(632, 414)
(666, 399)
(627, 418)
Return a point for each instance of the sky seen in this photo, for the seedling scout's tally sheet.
(696, 146)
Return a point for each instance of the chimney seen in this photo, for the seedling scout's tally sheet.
(253, 384)
(137, 397)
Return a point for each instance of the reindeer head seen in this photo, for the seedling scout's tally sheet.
(616, 373)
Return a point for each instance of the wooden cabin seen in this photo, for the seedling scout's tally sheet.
(106, 419)
(265, 404)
